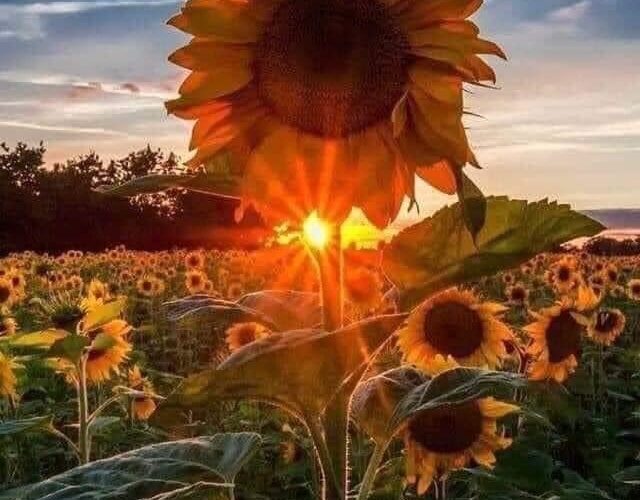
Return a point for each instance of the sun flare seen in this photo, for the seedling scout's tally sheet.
(316, 231)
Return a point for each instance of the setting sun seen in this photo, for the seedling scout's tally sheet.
(316, 231)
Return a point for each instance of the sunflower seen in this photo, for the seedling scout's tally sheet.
(450, 437)
(146, 286)
(195, 281)
(8, 380)
(611, 274)
(634, 289)
(194, 260)
(242, 334)
(8, 326)
(455, 323)
(97, 291)
(563, 275)
(606, 326)
(143, 404)
(101, 359)
(517, 294)
(556, 340)
(7, 293)
(235, 290)
(326, 104)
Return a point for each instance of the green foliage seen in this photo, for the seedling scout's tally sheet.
(154, 471)
(13, 427)
(439, 252)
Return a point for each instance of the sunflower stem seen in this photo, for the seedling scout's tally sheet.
(372, 470)
(83, 412)
(330, 272)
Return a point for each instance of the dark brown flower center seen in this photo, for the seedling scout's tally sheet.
(453, 328)
(5, 293)
(448, 429)
(612, 275)
(518, 294)
(563, 337)
(635, 289)
(331, 67)
(246, 335)
(606, 321)
(564, 274)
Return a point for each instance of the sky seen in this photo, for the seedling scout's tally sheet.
(85, 75)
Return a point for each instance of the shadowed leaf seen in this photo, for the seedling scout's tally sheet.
(12, 427)
(154, 471)
(439, 252)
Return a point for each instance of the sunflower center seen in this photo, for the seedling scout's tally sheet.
(564, 274)
(518, 294)
(448, 429)
(331, 67)
(606, 321)
(5, 293)
(563, 337)
(635, 289)
(454, 329)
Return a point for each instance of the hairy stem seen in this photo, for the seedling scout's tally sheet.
(372, 470)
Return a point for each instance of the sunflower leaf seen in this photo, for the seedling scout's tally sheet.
(439, 252)
(12, 427)
(454, 386)
(69, 348)
(104, 313)
(473, 202)
(154, 472)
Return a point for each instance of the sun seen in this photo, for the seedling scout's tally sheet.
(316, 231)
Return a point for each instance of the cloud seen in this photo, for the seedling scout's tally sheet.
(58, 128)
(26, 21)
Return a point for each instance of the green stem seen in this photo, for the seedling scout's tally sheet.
(330, 264)
(330, 486)
(102, 407)
(83, 413)
(66, 439)
(372, 470)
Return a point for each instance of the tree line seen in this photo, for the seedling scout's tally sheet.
(56, 208)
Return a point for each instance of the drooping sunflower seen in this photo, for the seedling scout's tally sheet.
(325, 104)
(101, 360)
(457, 324)
(634, 289)
(142, 405)
(450, 437)
(556, 338)
(363, 287)
(606, 326)
(242, 334)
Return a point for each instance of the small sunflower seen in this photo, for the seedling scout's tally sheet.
(194, 260)
(633, 289)
(606, 326)
(195, 281)
(8, 326)
(101, 361)
(363, 287)
(556, 341)
(8, 380)
(517, 294)
(455, 323)
(242, 334)
(611, 274)
(7, 294)
(98, 291)
(146, 286)
(326, 104)
(235, 290)
(142, 405)
(450, 437)
(563, 275)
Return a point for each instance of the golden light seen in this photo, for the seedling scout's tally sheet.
(316, 231)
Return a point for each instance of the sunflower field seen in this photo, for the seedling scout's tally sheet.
(473, 355)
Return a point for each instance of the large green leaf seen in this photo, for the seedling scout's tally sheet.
(630, 475)
(310, 373)
(453, 387)
(198, 491)
(439, 252)
(12, 427)
(299, 370)
(70, 347)
(473, 203)
(153, 471)
(35, 340)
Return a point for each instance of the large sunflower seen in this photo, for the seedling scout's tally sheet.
(450, 437)
(606, 326)
(329, 104)
(457, 324)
